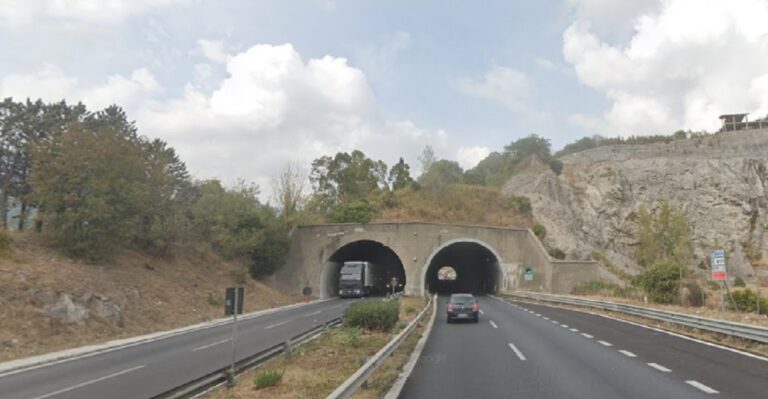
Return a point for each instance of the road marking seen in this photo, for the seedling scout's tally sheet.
(60, 391)
(603, 343)
(517, 351)
(575, 329)
(555, 322)
(627, 353)
(659, 367)
(564, 326)
(271, 326)
(481, 311)
(538, 314)
(546, 318)
(701, 386)
(210, 345)
(587, 335)
(493, 324)
(315, 313)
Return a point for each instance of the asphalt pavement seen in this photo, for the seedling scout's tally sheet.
(148, 369)
(521, 350)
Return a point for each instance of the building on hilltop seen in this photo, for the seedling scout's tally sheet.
(733, 122)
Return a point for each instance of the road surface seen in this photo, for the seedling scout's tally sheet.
(149, 369)
(521, 350)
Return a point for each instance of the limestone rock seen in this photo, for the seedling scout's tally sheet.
(67, 311)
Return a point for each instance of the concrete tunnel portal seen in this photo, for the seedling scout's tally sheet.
(477, 269)
(386, 265)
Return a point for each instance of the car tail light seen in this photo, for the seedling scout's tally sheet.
(474, 307)
(450, 307)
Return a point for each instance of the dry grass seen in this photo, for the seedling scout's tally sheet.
(463, 204)
(319, 367)
(172, 293)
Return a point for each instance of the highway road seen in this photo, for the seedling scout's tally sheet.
(521, 350)
(148, 369)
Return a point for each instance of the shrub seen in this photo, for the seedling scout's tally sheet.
(661, 281)
(268, 378)
(352, 336)
(410, 310)
(373, 315)
(556, 253)
(539, 230)
(746, 300)
(357, 211)
(739, 282)
(522, 204)
(212, 300)
(696, 294)
(713, 285)
(556, 165)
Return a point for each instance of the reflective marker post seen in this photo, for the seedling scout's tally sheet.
(233, 306)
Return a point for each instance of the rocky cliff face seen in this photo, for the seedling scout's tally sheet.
(720, 181)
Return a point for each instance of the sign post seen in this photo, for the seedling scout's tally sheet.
(233, 306)
(719, 273)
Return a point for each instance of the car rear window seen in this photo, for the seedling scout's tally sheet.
(462, 299)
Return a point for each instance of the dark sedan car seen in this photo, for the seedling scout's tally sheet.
(463, 307)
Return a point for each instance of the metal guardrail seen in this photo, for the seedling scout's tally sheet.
(353, 383)
(741, 330)
(220, 376)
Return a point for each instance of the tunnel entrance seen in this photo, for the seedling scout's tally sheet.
(385, 266)
(477, 269)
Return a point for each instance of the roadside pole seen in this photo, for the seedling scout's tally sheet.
(233, 306)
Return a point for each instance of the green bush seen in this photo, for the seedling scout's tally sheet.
(539, 230)
(696, 295)
(5, 241)
(739, 282)
(713, 285)
(357, 211)
(746, 300)
(556, 253)
(268, 378)
(410, 310)
(522, 204)
(212, 300)
(373, 315)
(556, 165)
(661, 281)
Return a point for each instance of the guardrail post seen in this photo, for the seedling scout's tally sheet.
(287, 348)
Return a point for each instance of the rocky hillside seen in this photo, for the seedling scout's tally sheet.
(720, 181)
(49, 302)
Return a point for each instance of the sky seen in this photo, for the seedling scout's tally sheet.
(242, 87)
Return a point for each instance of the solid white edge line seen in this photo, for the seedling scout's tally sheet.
(210, 345)
(493, 324)
(585, 335)
(605, 343)
(517, 351)
(60, 391)
(674, 334)
(627, 353)
(701, 386)
(659, 367)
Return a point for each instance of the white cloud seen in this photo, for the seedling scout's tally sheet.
(213, 50)
(20, 12)
(272, 107)
(470, 156)
(507, 86)
(686, 63)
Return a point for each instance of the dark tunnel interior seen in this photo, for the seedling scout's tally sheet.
(386, 265)
(477, 269)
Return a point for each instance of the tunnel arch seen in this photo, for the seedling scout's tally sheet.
(484, 275)
(387, 264)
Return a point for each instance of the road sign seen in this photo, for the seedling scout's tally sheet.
(234, 301)
(717, 260)
(528, 275)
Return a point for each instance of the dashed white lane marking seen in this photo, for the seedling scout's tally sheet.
(271, 326)
(493, 324)
(701, 386)
(555, 322)
(659, 367)
(546, 318)
(627, 353)
(60, 391)
(315, 313)
(517, 351)
(564, 326)
(604, 343)
(587, 335)
(575, 329)
(538, 314)
(210, 345)
(481, 311)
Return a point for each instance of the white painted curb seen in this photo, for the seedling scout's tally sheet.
(399, 383)
(20, 365)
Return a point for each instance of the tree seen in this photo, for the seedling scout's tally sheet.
(441, 174)
(530, 145)
(661, 281)
(345, 177)
(427, 158)
(663, 236)
(288, 189)
(400, 175)
(91, 186)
